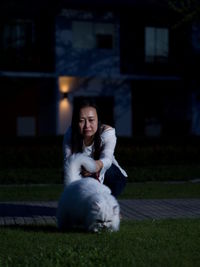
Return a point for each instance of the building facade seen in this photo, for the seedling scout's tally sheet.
(130, 57)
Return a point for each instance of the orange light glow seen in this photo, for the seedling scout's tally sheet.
(65, 83)
(64, 115)
(64, 105)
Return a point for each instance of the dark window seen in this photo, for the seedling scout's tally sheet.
(158, 109)
(104, 41)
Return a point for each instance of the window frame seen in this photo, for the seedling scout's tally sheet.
(155, 49)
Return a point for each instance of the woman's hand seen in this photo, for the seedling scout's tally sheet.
(99, 165)
(85, 173)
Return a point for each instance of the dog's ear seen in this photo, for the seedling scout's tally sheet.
(96, 206)
(115, 209)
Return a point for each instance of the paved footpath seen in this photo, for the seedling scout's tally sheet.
(42, 213)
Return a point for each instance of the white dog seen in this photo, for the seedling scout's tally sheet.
(86, 202)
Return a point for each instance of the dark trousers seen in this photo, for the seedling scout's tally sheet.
(115, 180)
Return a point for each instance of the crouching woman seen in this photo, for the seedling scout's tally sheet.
(87, 135)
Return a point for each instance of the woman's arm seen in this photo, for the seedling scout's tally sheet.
(109, 141)
(99, 166)
(108, 147)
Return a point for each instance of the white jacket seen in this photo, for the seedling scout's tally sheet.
(108, 143)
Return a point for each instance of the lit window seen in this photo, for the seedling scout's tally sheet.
(156, 44)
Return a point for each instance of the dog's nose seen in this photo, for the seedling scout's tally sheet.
(104, 226)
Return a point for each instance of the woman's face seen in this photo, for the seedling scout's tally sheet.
(88, 121)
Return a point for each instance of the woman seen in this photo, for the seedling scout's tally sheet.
(88, 135)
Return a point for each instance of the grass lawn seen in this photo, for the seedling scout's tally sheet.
(176, 172)
(148, 243)
(148, 190)
(156, 243)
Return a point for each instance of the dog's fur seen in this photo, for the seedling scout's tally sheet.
(86, 202)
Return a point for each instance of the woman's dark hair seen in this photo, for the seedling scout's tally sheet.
(76, 137)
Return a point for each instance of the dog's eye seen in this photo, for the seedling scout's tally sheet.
(99, 221)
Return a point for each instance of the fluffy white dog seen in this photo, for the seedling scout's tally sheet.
(85, 202)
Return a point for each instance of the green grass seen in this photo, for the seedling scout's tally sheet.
(180, 172)
(170, 243)
(157, 190)
(132, 190)
(30, 192)
(30, 175)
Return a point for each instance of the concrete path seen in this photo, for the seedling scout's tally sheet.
(42, 213)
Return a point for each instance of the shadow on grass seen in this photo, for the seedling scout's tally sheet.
(25, 210)
(31, 211)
